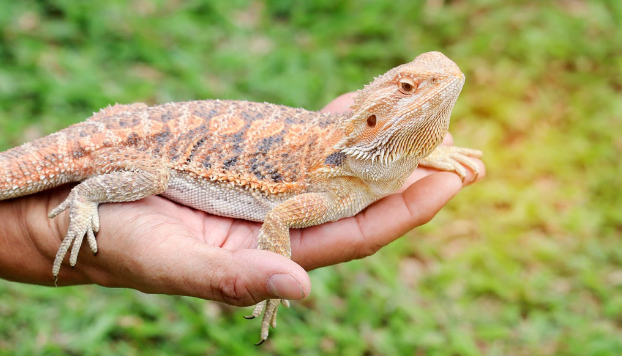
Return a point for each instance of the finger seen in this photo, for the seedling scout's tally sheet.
(340, 104)
(189, 267)
(378, 225)
(471, 178)
(417, 175)
(448, 140)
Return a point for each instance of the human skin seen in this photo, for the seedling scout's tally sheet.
(157, 246)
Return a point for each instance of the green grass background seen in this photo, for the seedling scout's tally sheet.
(527, 262)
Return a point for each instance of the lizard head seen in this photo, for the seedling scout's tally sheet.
(404, 113)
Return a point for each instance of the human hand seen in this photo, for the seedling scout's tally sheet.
(157, 246)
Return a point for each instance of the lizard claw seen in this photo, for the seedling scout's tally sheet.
(453, 159)
(83, 222)
(269, 317)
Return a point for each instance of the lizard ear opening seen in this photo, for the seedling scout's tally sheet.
(371, 121)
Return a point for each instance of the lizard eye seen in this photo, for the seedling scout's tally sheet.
(407, 86)
(434, 80)
(371, 121)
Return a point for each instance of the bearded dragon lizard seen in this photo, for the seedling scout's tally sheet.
(286, 167)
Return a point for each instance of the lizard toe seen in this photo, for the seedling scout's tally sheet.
(59, 209)
(453, 159)
(82, 214)
(259, 307)
(270, 308)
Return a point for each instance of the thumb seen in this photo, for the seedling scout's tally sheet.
(241, 277)
(267, 275)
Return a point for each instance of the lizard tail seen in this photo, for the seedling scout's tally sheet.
(39, 165)
(56, 159)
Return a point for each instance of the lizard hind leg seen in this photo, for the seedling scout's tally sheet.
(131, 180)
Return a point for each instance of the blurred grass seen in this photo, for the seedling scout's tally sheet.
(527, 262)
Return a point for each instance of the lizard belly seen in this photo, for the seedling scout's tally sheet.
(212, 197)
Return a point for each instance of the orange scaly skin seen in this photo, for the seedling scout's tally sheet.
(289, 168)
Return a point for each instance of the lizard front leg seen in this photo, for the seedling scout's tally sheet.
(119, 177)
(452, 159)
(298, 212)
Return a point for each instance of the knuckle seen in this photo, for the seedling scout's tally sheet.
(233, 291)
(367, 245)
(425, 216)
(368, 249)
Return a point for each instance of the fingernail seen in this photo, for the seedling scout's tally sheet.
(285, 286)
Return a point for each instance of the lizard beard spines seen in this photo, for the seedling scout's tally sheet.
(382, 151)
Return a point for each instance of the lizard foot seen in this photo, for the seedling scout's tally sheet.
(453, 159)
(83, 221)
(269, 317)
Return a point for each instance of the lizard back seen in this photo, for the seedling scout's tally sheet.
(257, 153)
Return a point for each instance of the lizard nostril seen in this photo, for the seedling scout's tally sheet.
(371, 121)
